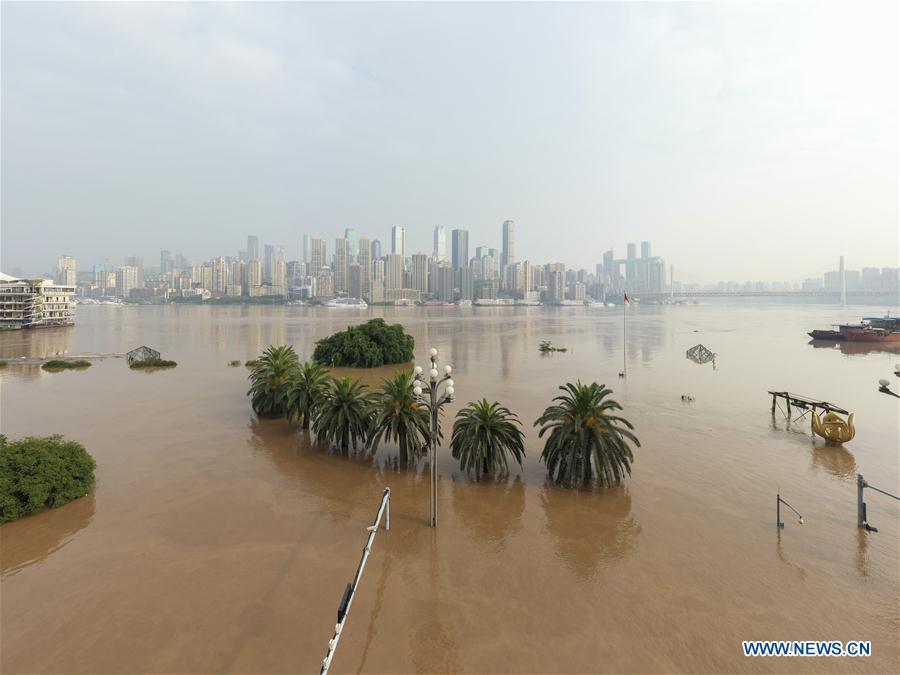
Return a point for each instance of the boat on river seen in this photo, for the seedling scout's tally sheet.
(344, 303)
(873, 329)
(833, 334)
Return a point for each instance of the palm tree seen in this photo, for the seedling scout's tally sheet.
(269, 380)
(484, 434)
(344, 415)
(306, 392)
(585, 440)
(400, 417)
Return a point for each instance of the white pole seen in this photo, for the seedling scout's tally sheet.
(373, 530)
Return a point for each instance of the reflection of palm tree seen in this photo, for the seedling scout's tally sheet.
(26, 543)
(491, 511)
(836, 460)
(605, 515)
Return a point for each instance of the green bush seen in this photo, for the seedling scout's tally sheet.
(3, 364)
(369, 345)
(58, 364)
(153, 363)
(42, 471)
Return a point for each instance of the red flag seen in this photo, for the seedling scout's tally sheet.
(626, 299)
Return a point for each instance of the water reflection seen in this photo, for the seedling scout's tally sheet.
(590, 528)
(783, 558)
(33, 539)
(835, 459)
(36, 343)
(851, 348)
(491, 511)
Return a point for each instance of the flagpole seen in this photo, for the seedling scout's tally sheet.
(624, 344)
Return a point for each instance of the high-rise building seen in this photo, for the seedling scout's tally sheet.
(440, 243)
(166, 263)
(352, 242)
(398, 241)
(137, 262)
(341, 265)
(307, 248)
(376, 249)
(126, 279)
(445, 283)
(268, 259)
(378, 271)
(364, 259)
(460, 246)
(393, 271)
(508, 256)
(645, 249)
(419, 272)
(556, 286)
(355, 281)
(66, 273)
(252, 247)
(466, 284)
(317, 255)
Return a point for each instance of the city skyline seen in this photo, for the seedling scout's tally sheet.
(688, 125)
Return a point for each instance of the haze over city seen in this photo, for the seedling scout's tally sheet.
(746, 141)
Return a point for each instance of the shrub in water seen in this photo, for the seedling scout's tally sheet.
(369, 345)
(153, 363)
(42, 471)
(59, 364)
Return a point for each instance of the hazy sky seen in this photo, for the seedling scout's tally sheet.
(746, 141)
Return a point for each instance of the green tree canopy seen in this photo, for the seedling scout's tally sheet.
(369, 345)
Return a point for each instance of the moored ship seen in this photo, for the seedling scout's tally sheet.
(873, 329)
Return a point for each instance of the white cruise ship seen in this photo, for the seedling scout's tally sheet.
(355, 303)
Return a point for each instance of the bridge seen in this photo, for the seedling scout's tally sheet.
(895, 295)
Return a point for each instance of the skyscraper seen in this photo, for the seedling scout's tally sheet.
(508, 256)
(317, 255)
(419, 272)
(268, 260)
(398, 240)
(365, 266)
(352, 243)
(66, 273)
(252, 247)
(137, 262)
(460, 247)
(645, 249)
(376, 249)
(307, 247)
(341, 265)
(393, 272)
(440, 243)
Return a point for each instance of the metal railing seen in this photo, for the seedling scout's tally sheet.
(350, 590)
(862, 519)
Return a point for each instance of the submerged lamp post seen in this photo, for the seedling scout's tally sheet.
(778, 502)
(429, 393)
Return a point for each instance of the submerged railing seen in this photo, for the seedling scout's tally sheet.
(862, 519)
(350, 591)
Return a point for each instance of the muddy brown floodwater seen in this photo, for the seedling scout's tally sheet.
(215, 542)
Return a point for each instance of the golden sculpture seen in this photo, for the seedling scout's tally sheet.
(833, 428)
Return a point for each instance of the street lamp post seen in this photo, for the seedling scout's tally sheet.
(429, 393)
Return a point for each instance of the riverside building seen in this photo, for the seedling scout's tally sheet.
(35, 303)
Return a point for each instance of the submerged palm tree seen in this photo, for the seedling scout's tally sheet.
(585, 440)
(269, 380)
(400, 417)
(484, 434)
(344, 415)
(306, 391)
